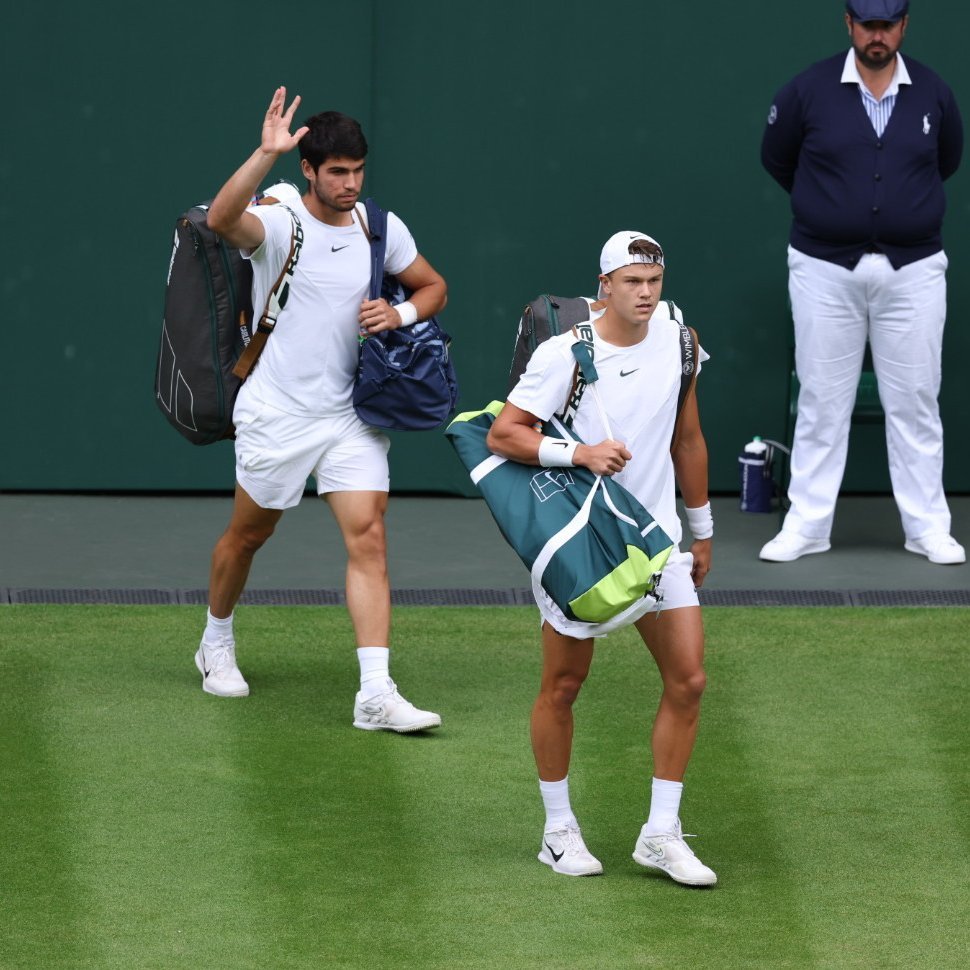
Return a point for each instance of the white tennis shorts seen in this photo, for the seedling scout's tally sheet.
(277, 452)
(676, 584)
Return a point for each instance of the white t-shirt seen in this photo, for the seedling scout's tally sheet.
(638, 387)
(308, 364)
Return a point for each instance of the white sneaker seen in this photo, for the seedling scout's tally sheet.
(565, 850)
(789, 546)
(671, 854)
(941, 549)
(389, 711)
(217, 664)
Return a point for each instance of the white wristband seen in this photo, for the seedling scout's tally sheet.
(408, 313)
(556, 453)
(700, 521)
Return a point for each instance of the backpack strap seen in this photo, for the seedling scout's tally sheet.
(275, 301)
(688, 363)
(584, 373)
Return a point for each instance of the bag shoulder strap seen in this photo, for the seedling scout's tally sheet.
(584, 373)
(373, 221)
(275, 301)
(688, 364)
(688, 354)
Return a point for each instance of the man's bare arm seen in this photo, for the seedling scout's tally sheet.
(690, 466)
(227, 214)
(513, 435)
(429, 297)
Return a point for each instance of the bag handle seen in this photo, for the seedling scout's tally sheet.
(275, 302)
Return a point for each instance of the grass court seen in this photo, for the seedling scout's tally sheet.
(149, 825)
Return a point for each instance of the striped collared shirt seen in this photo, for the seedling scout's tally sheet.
(878, 109)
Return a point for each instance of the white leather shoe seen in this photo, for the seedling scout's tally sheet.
(941, 549)
(387, 710)
(789, 546)
(217, 664)
(668, 852)
(565, 851)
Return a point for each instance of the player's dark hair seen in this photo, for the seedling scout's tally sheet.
(643, 247)
(332, 135)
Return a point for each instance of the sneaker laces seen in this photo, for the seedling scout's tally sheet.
(386, 690)
(222, 655)
(572, 840)
(395, 695)
(676, 837)
(388, 694)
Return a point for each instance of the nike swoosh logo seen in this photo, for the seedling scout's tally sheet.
(627, 373)
(370, 709)
(656, 849)
(336, 249)
(555, 855)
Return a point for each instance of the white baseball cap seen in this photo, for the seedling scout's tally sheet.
(616, 252)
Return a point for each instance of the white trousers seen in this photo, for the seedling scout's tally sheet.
(901, 312)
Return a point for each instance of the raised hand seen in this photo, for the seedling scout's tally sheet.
(276, 126)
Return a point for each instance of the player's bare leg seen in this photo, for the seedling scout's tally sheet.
(565, 666)
(676, 639)
(378, 705)
(249, 527)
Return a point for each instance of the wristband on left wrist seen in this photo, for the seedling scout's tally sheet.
(700, 521)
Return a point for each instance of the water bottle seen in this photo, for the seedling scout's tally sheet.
(757, 483)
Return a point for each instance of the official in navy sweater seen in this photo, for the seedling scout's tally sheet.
(863, 142)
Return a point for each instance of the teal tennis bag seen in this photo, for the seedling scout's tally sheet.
(593, 548)
(594, 552)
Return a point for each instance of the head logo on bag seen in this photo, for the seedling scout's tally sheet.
(550, 481)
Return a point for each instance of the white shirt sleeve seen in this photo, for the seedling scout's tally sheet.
(702, 355)
(543, 388)
(401, 248)
(275, 247)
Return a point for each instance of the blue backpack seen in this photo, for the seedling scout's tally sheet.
(405, 377)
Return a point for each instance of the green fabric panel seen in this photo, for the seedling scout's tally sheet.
(494, 408)
(621, 588)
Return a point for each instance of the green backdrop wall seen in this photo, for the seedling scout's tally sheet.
(512, 138)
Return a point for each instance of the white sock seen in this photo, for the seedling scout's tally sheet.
(215, 628)
(374, 669)
(555, 798)
(664, 806)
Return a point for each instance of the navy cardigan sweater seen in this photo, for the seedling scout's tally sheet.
(852, 191)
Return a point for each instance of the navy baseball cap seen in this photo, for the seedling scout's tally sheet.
(863, 11)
